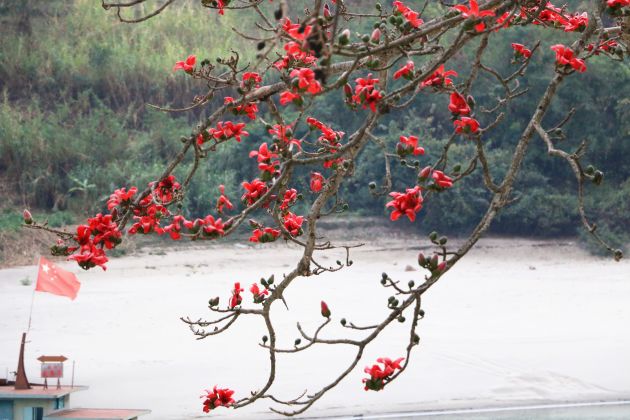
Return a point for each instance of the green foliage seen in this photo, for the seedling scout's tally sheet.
(74, 125)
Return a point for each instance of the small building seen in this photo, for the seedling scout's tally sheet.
(22, 400)
(33, 403)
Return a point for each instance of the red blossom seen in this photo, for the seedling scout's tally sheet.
(250, 80)
(304, 79)
(227, 129)
(439, 78)
(250, 109)
(458, 105)
(405, 71)
(121, 197)
(317, 182)
(259, 295)
(406, 204)
(411, 16)
(223, 201)
(253, 191)
(380, 376)
(521, 51)
(288, 97)
(474, 13)
(441, 180)
(188, 65)
(293, 223)
(218, 397)
(566, 57)
(466, 125)
(290, 197)
(409, 146)
(264, 235)
(236, 297)
(365, 92)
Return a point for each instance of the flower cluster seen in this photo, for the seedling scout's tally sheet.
(218, 397)
(411, 16)
(565, 57)
(224, 130)
(409, 146)
(381, 376)
(366, 93)
(474, 15)
(249, 108)
(439, 78)
(99, 234)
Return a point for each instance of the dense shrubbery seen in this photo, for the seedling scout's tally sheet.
(75, 86)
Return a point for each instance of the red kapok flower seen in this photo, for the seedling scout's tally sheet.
(405, 71)
(236, 298)
(407, 204)
(466, 125)
(218, 397)
(566, 57)
(188, 65)
(409, 146)
(458, 105)
(379, 377)
(317, 182)
(264, 235)
(521, 51)
(441, 180)
(439, 78)
(293, 223)
(259, 295)
(473, 13)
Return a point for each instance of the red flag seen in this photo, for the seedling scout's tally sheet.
(56, 280)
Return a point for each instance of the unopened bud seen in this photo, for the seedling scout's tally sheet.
(325, 310)
(422, 260)
(442, 266)
(376, 36)
(344, 37)
(28, 218)
(424, 173)
(297, 341)
(343, 321)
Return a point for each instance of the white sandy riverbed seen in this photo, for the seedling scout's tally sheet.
(515, 322)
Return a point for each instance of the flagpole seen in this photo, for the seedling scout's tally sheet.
(30, 315)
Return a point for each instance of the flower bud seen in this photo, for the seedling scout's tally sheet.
(442, 266)
(376, 36)
(433, 235)
(411, 284)
(264, 339)
(344, 37)
(422, 260)
(325, 310)
(443, 240)
(343, 321)
(347, 90)
(297, 342)
(28, 218)
(433, 263)
(424, 173)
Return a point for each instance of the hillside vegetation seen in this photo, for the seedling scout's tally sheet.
(75, 125)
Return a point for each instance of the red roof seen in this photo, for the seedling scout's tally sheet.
(38, 391)
(96, 414)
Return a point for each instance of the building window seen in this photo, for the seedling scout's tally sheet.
(59, 403)
(33, 413)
